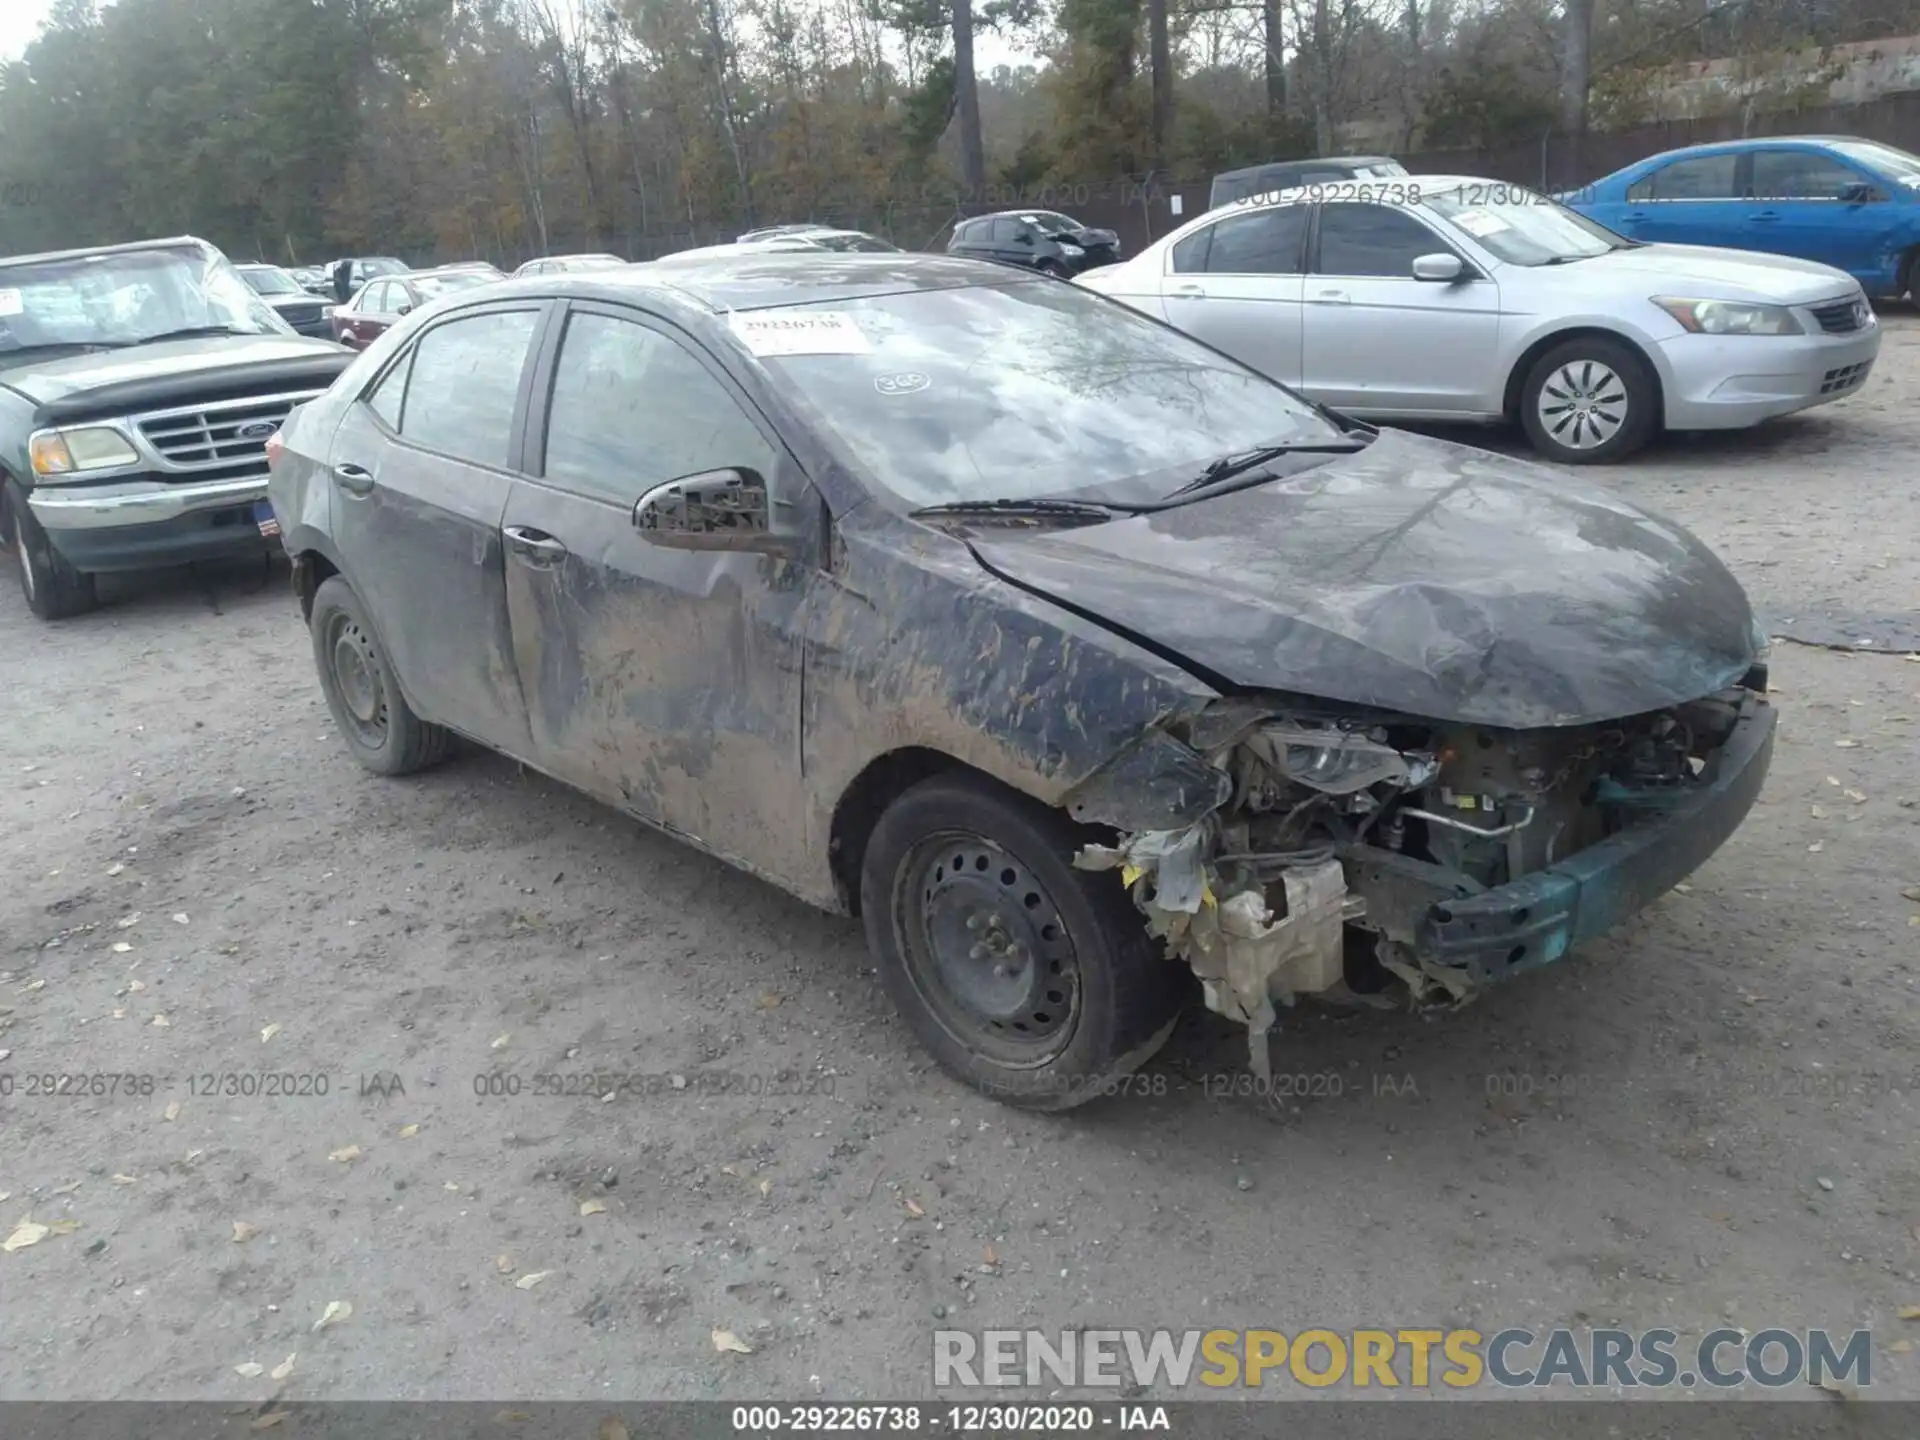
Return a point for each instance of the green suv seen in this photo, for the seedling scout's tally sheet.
(139, 385)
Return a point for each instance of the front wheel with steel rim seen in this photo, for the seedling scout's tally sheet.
(1588, 401)
(53, 589)
(380, 729)
(1031, 981)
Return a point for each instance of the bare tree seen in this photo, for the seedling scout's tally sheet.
(1576, 78)
(966, 101)
(1160, 55)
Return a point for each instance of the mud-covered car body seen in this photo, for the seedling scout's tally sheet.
(1378, 709)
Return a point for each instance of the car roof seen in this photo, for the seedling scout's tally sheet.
(1752, 142)
(172, 242)
(764, 279)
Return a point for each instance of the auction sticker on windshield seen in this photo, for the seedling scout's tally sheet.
(1480, 224)
(812, 332)
(10, 302)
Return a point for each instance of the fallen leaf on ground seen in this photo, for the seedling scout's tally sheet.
(345, 1154)
(1912, 892)
(115, 868)
(64, 1227)
(243, 1232)
(1910, 1312)
(1857, 796)
(407, 1132)
(120, 1179)
(136, 986)
(1839, 1389)
(1817, 847)
(766, 1188)
(250, 1369)
(499, 1042)
(26, 1233)
(284, 1368)
(504, 1264)
(1901, 1347)
(336, 1311)
(592, 1207)
(453, 1185)
(1847, 744)
(172, 1112)
(127, 922)
(990, 1255)
(161, 1021)
(728, 1343)
(271, 1031)
(729, 1170)
(768, 1000)
(913, 1208)
(1684, 888)
(268, 1420)
(67, 1189)
(611, 1428)
(121, 947)
(531, 1279)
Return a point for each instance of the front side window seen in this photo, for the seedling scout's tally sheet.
(1024, 389)
(1799, 175)
(1372, 240)
(633, 407)
(1701, 177)
(464, 383)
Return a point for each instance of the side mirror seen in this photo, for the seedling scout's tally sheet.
(713, 510)
(1438, 268)
(404, 309)
(1025, 237)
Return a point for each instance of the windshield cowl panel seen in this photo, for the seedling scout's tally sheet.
(126, 297)
(1020, 391)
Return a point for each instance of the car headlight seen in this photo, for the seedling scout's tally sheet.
(1071, 251)
(77, 451)
(1730, 317)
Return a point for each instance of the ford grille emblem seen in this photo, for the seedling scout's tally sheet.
(256, 429)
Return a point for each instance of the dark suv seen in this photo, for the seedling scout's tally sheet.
(1235, 185)
(1043, 240)
(138, 387)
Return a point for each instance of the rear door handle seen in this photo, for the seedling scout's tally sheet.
(354, 479)
(1764, 216)
(534, 546)
(1190, 292)
(1333, 297)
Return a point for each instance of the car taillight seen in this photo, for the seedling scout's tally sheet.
(274, 446)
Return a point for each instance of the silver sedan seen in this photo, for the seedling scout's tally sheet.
(1453, 298)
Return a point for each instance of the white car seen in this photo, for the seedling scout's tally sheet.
(1452, 298)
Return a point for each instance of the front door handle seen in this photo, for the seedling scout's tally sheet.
(354, 479)
(1190, 292)
(534, 546)
(1333, 297)
(1764, 216)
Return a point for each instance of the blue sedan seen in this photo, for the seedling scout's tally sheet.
(1852, 204)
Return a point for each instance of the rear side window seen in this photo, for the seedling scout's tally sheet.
(1799, 175)
(1260, 242)
(633, 407)
(1702, 177)
(464, 382)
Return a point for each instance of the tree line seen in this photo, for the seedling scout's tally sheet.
(296, 130)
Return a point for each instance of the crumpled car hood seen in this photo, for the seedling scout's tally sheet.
(1417, 576)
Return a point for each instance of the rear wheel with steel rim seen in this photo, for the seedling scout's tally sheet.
(381, 731)
(1026, 978)
(53, 589)
(1589, 400)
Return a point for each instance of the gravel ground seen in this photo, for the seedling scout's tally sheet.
(1708, 1118)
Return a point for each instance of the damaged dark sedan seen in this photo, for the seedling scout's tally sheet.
(1071, 655)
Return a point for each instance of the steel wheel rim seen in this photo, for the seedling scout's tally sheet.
(1583, 404)
(353, 662)
(986, 949)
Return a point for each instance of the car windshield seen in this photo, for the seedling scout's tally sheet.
(1050, 224)
(1521, 227)
(382, 265)
(1897, 164)
(127, 297)
(851, 241)
(269, 280)
(1016, 391)
(1379, 169)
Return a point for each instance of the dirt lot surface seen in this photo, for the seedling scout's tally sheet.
(1709, 1118)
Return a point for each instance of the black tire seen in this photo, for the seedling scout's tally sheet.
(54, 590)
(381, 730)
(1586, 385)
(940, 860)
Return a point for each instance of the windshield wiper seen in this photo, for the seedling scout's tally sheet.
(1227, 467)
(187, 332)
(1064, 509)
